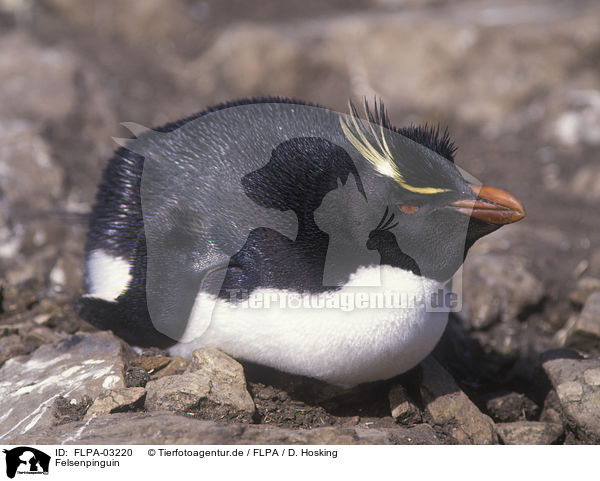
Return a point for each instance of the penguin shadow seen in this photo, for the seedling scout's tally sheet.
(268, 258)
(305, 395)
(385, 243)
(483, 372)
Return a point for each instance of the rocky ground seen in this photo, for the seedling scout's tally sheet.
(518, 84)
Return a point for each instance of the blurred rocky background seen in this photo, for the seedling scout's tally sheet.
(518, 84)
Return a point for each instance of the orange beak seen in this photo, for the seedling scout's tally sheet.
(494, 206)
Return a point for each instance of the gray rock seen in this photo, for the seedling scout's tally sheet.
(372, 436)
(181, 393)
(227, 379)
(38, 82)
(421, 434)
(577, 384)
(450, 407)
(551, 415)
(529, 432)
(82, 364)
(168, 428)
(403, 408)
(586, 182)
(117, 400)
(213, 383)
(583, 289)
(551, 409)
(11, 346)
(212, 391)
(580, 123)
(216, 364)
(497, 287)
(41, 335)
(584, 332)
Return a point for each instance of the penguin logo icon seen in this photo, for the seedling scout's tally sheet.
(26, 460)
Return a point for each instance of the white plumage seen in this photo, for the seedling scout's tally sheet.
(108, 276)
(343, 347)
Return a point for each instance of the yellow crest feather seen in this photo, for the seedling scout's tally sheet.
(378, 154)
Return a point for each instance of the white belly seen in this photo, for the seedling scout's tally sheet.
(310, 337)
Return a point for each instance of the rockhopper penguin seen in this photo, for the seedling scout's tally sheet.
(251, 226)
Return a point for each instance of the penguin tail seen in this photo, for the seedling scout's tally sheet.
(123, 320)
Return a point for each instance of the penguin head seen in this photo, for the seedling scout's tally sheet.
(437, 214)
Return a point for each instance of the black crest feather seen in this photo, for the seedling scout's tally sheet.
(427, 135)
(431, 137)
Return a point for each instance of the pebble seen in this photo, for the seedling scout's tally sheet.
(117, 400)
(403, 408)
(151, 364)
(584, 332)
(176, 366)
(212, 377)
(510, 407)
(583, 289)
(448, 405)
(529, 432)
(136, 377)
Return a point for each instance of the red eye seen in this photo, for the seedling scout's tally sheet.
(409, 209)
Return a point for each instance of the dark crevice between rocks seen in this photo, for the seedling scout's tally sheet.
(529, 310)
(560, 354)
(411, 381)
(561, 439)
